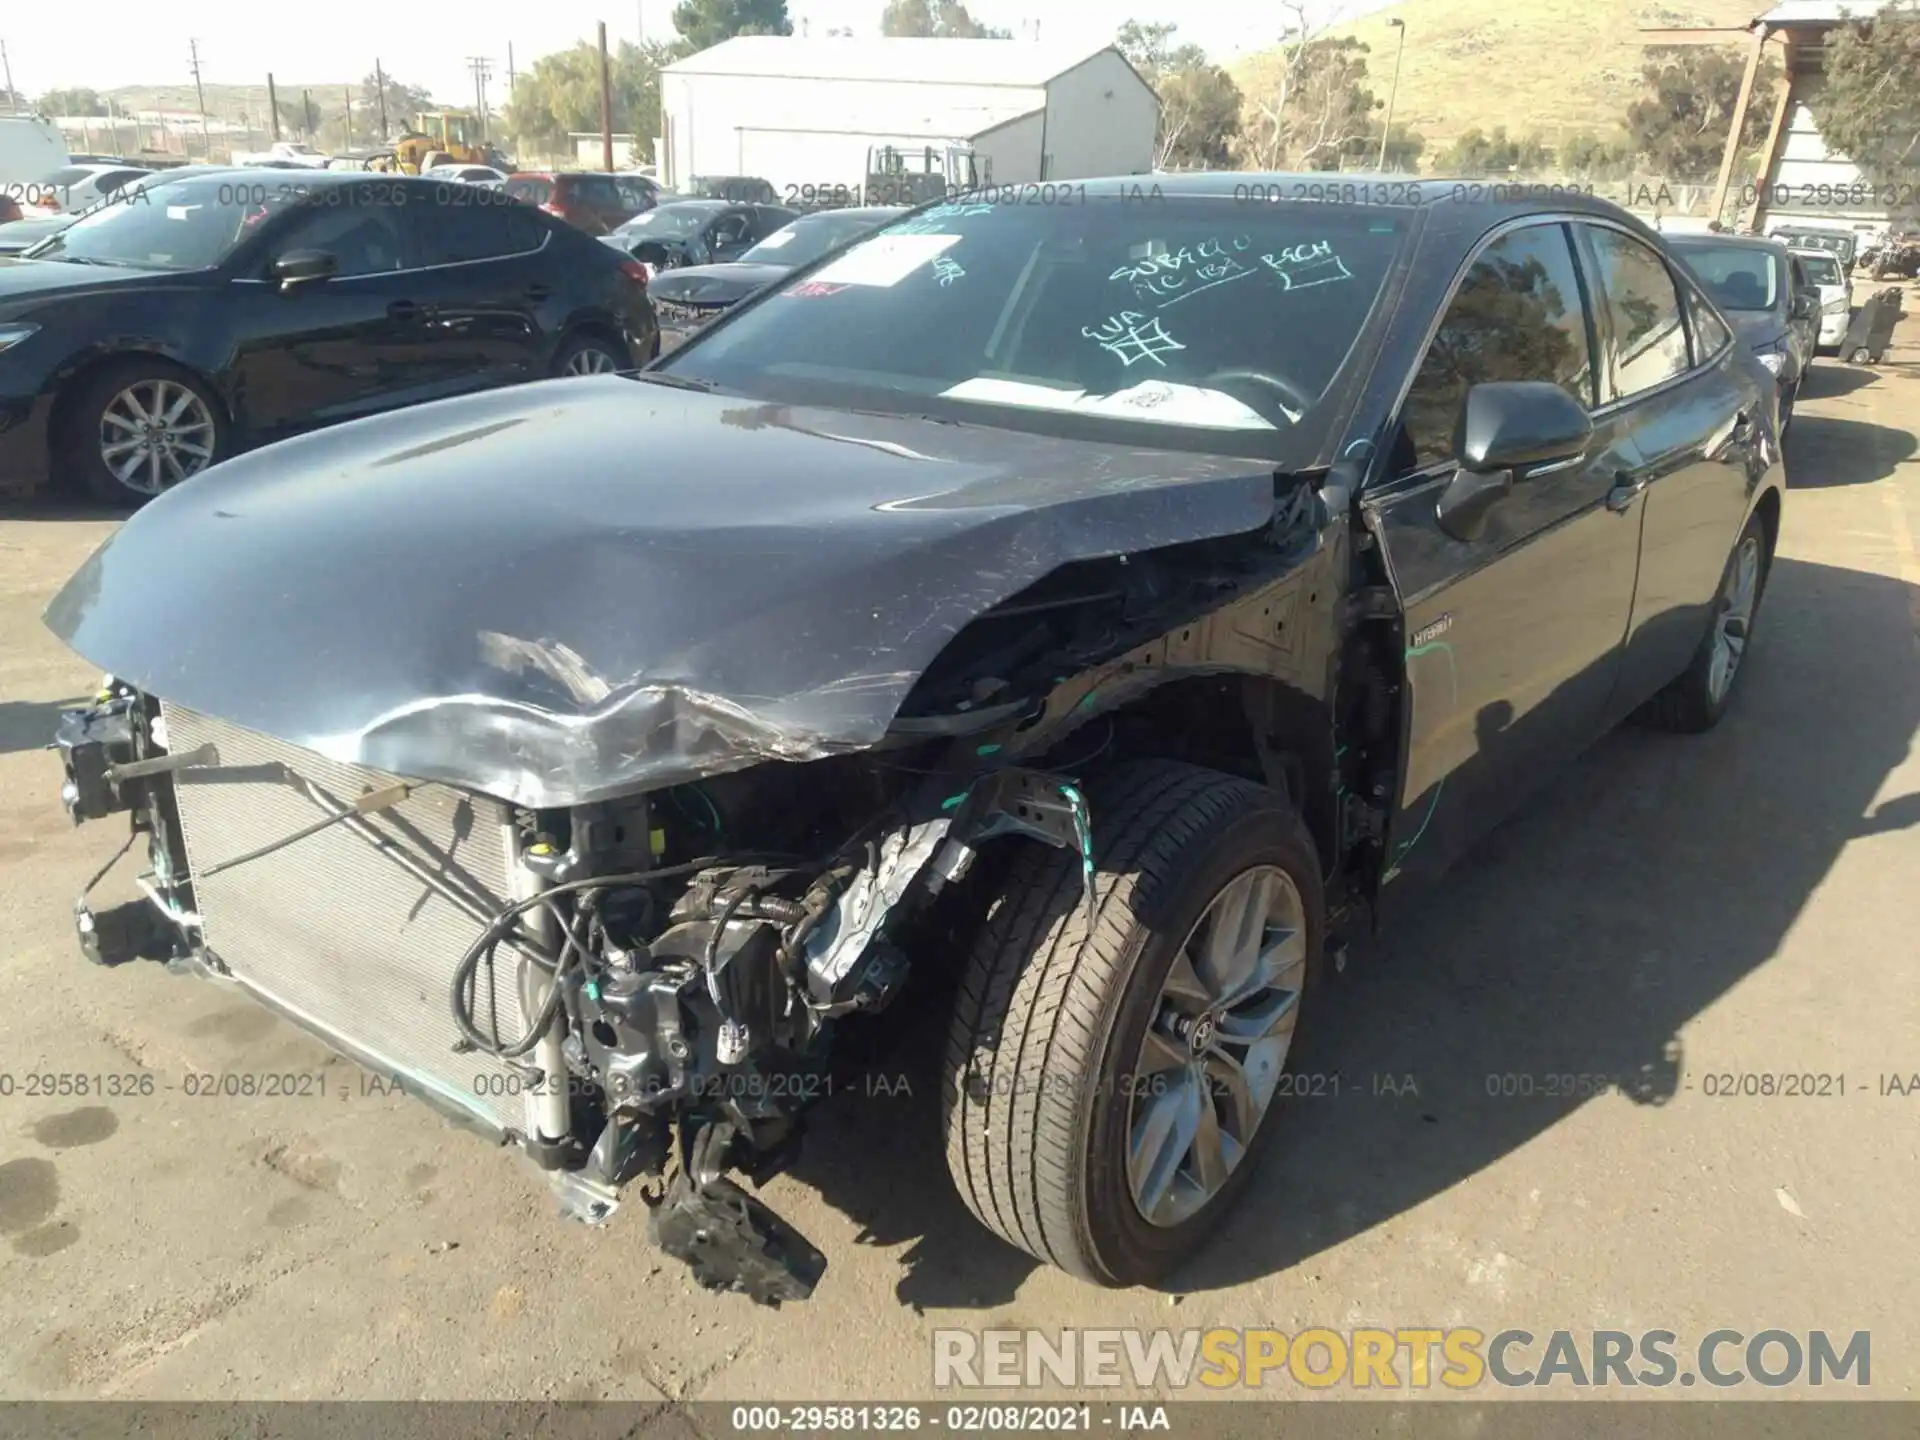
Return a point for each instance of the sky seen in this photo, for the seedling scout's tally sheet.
(138, 42)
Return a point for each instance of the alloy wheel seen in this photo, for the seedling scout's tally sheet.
(1216, 1046)
(1734, 622)
(154, 434)
(590, 361)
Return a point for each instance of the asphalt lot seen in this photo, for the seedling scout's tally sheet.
(1671, 909)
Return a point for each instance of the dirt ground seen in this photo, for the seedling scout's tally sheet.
(1678, 908)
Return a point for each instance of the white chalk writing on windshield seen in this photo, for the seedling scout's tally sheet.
(1171, 276)
(937, 217)
(1302, 266)
(1130, 336)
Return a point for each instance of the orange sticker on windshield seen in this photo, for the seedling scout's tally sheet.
(811, 288)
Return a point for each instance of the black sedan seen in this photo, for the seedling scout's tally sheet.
(696, 232)
(1771, 300)
(1774, 305)
(689, 297)
(1220, 567)
(147, 341)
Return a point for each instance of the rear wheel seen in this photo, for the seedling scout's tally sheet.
(1108, 1086)
(138, 427)
(1698, 699)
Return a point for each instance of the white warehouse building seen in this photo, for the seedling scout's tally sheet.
(808, 112)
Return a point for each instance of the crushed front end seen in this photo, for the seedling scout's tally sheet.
(642, 991)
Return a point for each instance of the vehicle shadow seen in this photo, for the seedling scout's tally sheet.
(54, 504)
(1829, 381)
(1579, 939)
(28, 724)
(1823, 452)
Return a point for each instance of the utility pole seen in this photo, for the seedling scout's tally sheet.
(200, 93)
(482, 68)
(6, 65)
(1393, 91)
(347, 115)
(606, 103)
(380, 84)
(273, 108)
(306, 115)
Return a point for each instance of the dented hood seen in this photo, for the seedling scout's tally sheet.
(569, 589)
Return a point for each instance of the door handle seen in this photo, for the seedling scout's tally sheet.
(403, 310)
(1625, 486)
(538, 291)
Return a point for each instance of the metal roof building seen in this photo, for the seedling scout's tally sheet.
(806, 112)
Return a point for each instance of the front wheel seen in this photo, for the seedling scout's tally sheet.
(138, 427)
(588, 355)
(1108, 1085)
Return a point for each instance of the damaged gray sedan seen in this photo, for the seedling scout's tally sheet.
(1075, 613)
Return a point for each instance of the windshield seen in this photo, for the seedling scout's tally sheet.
(671, 220)
(1195, 313)
(1738, 277)
(190, 224)
(1822, 269)
(805, 241)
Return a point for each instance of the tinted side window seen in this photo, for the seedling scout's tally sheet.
(364, 239)
(456, 233)
(1518, 315)
(1649, 338)
(525, 231)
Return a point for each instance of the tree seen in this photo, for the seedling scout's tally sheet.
(1199, 119)
(78, 101)
(1588, 156)
(702, 24)
(1199, 103)
(1869, 107)
(1317, 109)
(402, 101)
(1474, 153)
(560, 95)
(936, 20)
(1679, 129)
(1404, 148)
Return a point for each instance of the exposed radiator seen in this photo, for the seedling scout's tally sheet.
(338, 935)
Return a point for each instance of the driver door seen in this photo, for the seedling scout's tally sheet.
(333, 349)
(1514, 639)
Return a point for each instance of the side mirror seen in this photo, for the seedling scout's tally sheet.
(299, 267)
(1806, 305)
(1510, 431)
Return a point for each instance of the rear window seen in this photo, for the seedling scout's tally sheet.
(71, 175)
(534, 192)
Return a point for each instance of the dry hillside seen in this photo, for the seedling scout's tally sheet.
(1559, 66)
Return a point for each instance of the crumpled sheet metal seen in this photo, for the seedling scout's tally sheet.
(576, 589)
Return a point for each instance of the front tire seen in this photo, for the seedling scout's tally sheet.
(589, 355)
(1108, 1089)
(1698, 699)
(139, 427)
